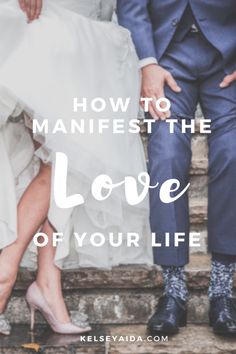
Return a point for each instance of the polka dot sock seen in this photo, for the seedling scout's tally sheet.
(175, 282)
(221, 282)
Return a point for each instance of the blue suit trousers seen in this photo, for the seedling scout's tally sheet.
(198, 69)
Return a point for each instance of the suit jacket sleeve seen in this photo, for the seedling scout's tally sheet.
(134, 15)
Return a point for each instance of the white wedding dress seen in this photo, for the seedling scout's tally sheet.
(43, 66)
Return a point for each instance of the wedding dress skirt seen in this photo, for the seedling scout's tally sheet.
(43, 66)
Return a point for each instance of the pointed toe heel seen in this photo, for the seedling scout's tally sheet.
(36, 302)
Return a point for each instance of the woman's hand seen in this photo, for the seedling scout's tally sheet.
(32, 8)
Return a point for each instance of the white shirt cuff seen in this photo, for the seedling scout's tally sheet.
(147, 61)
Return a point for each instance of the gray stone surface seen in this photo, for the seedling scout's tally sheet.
(199, 166)
(202, 229)
(123, 277)
(198, 187)
(129, 307)
(125, 295)
(45, 341)
(198, 210)
(133, 339)
(190, 340)
(199, 147)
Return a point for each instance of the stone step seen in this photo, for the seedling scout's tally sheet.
(123, 295)
(43, 340)
(199, 146)
(114, 306)
(121, 277)
(198, 187)
(199, 166)
(192, 339)
(198, 210)
(202, 230)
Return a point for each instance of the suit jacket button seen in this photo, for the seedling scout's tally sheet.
(175, 22)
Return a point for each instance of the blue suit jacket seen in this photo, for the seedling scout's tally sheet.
(153, 24)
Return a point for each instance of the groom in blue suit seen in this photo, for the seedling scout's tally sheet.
(187, 52)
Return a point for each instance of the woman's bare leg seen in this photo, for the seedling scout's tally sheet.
(49, 278)
(32, 212)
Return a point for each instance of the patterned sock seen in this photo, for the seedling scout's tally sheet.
(221, 283)
(175, 282)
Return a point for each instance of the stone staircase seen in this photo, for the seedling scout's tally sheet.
(198, 188)
(119, 302)
(125, 295)
(191, 340)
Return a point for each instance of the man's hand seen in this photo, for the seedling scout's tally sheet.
(228, 80)
(32, 8)
(154, 78)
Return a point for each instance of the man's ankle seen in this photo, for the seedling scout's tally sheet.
(175, 282)
(221, 282)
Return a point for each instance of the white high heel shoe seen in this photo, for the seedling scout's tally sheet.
(37, 302)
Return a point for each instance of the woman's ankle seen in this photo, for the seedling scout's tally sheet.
(6, 286)
(53, 294)
(49, 287)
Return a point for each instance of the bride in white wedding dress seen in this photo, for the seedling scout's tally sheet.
(44, 64)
